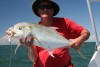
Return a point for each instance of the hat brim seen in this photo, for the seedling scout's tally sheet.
(35, 6)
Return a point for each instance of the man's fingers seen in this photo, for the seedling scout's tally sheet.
(75, 46)
(25, 40)
(31, 40)
(21, 41)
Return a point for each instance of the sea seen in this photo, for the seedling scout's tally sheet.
(20, 59)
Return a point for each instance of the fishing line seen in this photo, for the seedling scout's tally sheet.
(11, 52)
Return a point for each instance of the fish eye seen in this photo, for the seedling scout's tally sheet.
(8, 29)
(19, 28)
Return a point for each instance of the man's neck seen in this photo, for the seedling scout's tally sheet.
(46, 21)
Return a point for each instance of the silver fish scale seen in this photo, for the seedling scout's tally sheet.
(48, 37)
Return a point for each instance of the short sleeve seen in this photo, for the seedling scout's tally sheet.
(74, 29)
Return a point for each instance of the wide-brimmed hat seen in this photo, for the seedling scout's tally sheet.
(35, 6)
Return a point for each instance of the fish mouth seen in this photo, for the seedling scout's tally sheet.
(10, 33)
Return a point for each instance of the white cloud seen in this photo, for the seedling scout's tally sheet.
(4, 41)
(94, 0)
(93, 38)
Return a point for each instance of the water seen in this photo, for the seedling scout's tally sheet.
(21, 60)
(87, 50)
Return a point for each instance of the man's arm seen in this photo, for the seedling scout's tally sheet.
(76, 43)
(32, 53)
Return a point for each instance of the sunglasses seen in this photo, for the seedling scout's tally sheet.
(45, 6)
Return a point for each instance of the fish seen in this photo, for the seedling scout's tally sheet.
(45, 37)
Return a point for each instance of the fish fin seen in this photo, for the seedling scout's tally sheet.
(80, 53)
(17, 48)
(42, 46)
(51, 54)
(55, 28)
(38, 41)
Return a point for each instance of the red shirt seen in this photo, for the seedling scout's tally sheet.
(70, 30)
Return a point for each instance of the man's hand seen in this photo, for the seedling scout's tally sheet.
(76, 43)
(28, 42)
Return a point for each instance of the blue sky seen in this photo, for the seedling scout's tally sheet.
(14, 11)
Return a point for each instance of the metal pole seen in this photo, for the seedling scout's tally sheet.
(93, 23)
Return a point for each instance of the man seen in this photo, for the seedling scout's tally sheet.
(46, 9)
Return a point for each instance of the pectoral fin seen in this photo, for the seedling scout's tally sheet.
(81, 54)
(55, 28)
(17, 48)
(38, 41)
(51, 54)
(42, 46)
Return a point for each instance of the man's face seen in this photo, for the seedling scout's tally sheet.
(45, 10)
